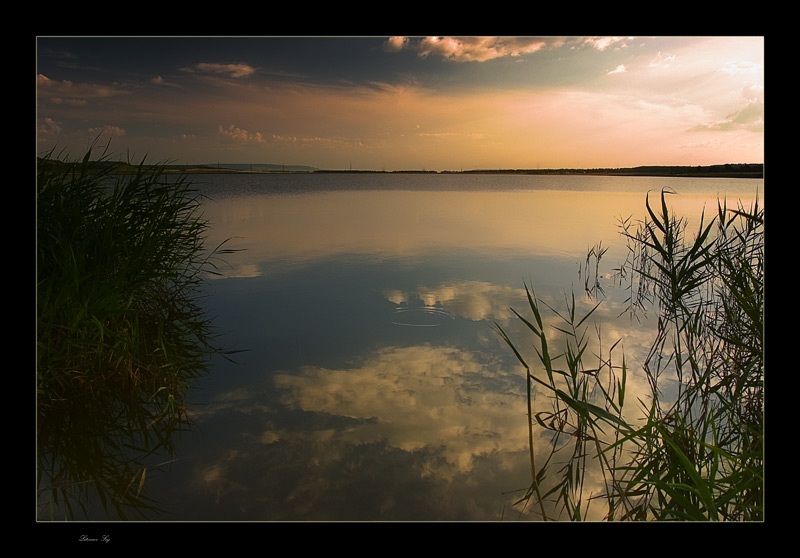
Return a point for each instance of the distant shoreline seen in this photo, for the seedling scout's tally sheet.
(715, 171)
(730, 170)
(745, 170)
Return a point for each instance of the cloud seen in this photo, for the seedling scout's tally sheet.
(70, 93)
(160, 81)
(742, 68)
(754, 93)
(481, 49)
(602, 43)
(395, 44)
(469, 49)
(232, 70)
(107, 130)
(238, 135)
(663, 61)
(49, 127)
(749, 117)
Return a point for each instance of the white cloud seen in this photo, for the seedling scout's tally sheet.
(239, 135)
(663, 61)
(742, 67)
(602, 43)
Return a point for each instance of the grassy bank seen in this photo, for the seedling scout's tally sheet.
(121, 333)
(693, 448)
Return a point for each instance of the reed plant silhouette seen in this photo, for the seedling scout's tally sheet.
(692, 449)
(121, 331)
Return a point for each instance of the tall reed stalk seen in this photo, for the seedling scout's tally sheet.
(692, 449)
(121, 332)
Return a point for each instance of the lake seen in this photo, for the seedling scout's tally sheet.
(374, 386)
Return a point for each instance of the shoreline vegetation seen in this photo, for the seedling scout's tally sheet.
(121, 331)
(692, 448)
(729, 170)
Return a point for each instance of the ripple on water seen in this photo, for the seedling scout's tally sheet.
(421, 316)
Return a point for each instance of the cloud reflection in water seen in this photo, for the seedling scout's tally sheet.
(415, 397)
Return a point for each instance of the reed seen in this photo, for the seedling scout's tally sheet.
(694, 452)
(121, 331)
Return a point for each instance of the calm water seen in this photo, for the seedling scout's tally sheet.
(374, 387)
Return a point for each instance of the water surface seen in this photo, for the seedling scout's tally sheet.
(374, 387)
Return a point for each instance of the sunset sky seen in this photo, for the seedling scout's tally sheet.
(396, 103)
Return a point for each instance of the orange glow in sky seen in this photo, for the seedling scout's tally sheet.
(381, 103)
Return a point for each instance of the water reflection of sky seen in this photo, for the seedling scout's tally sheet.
(347, 405)
(405, 225)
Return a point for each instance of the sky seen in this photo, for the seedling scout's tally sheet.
(405, 103)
